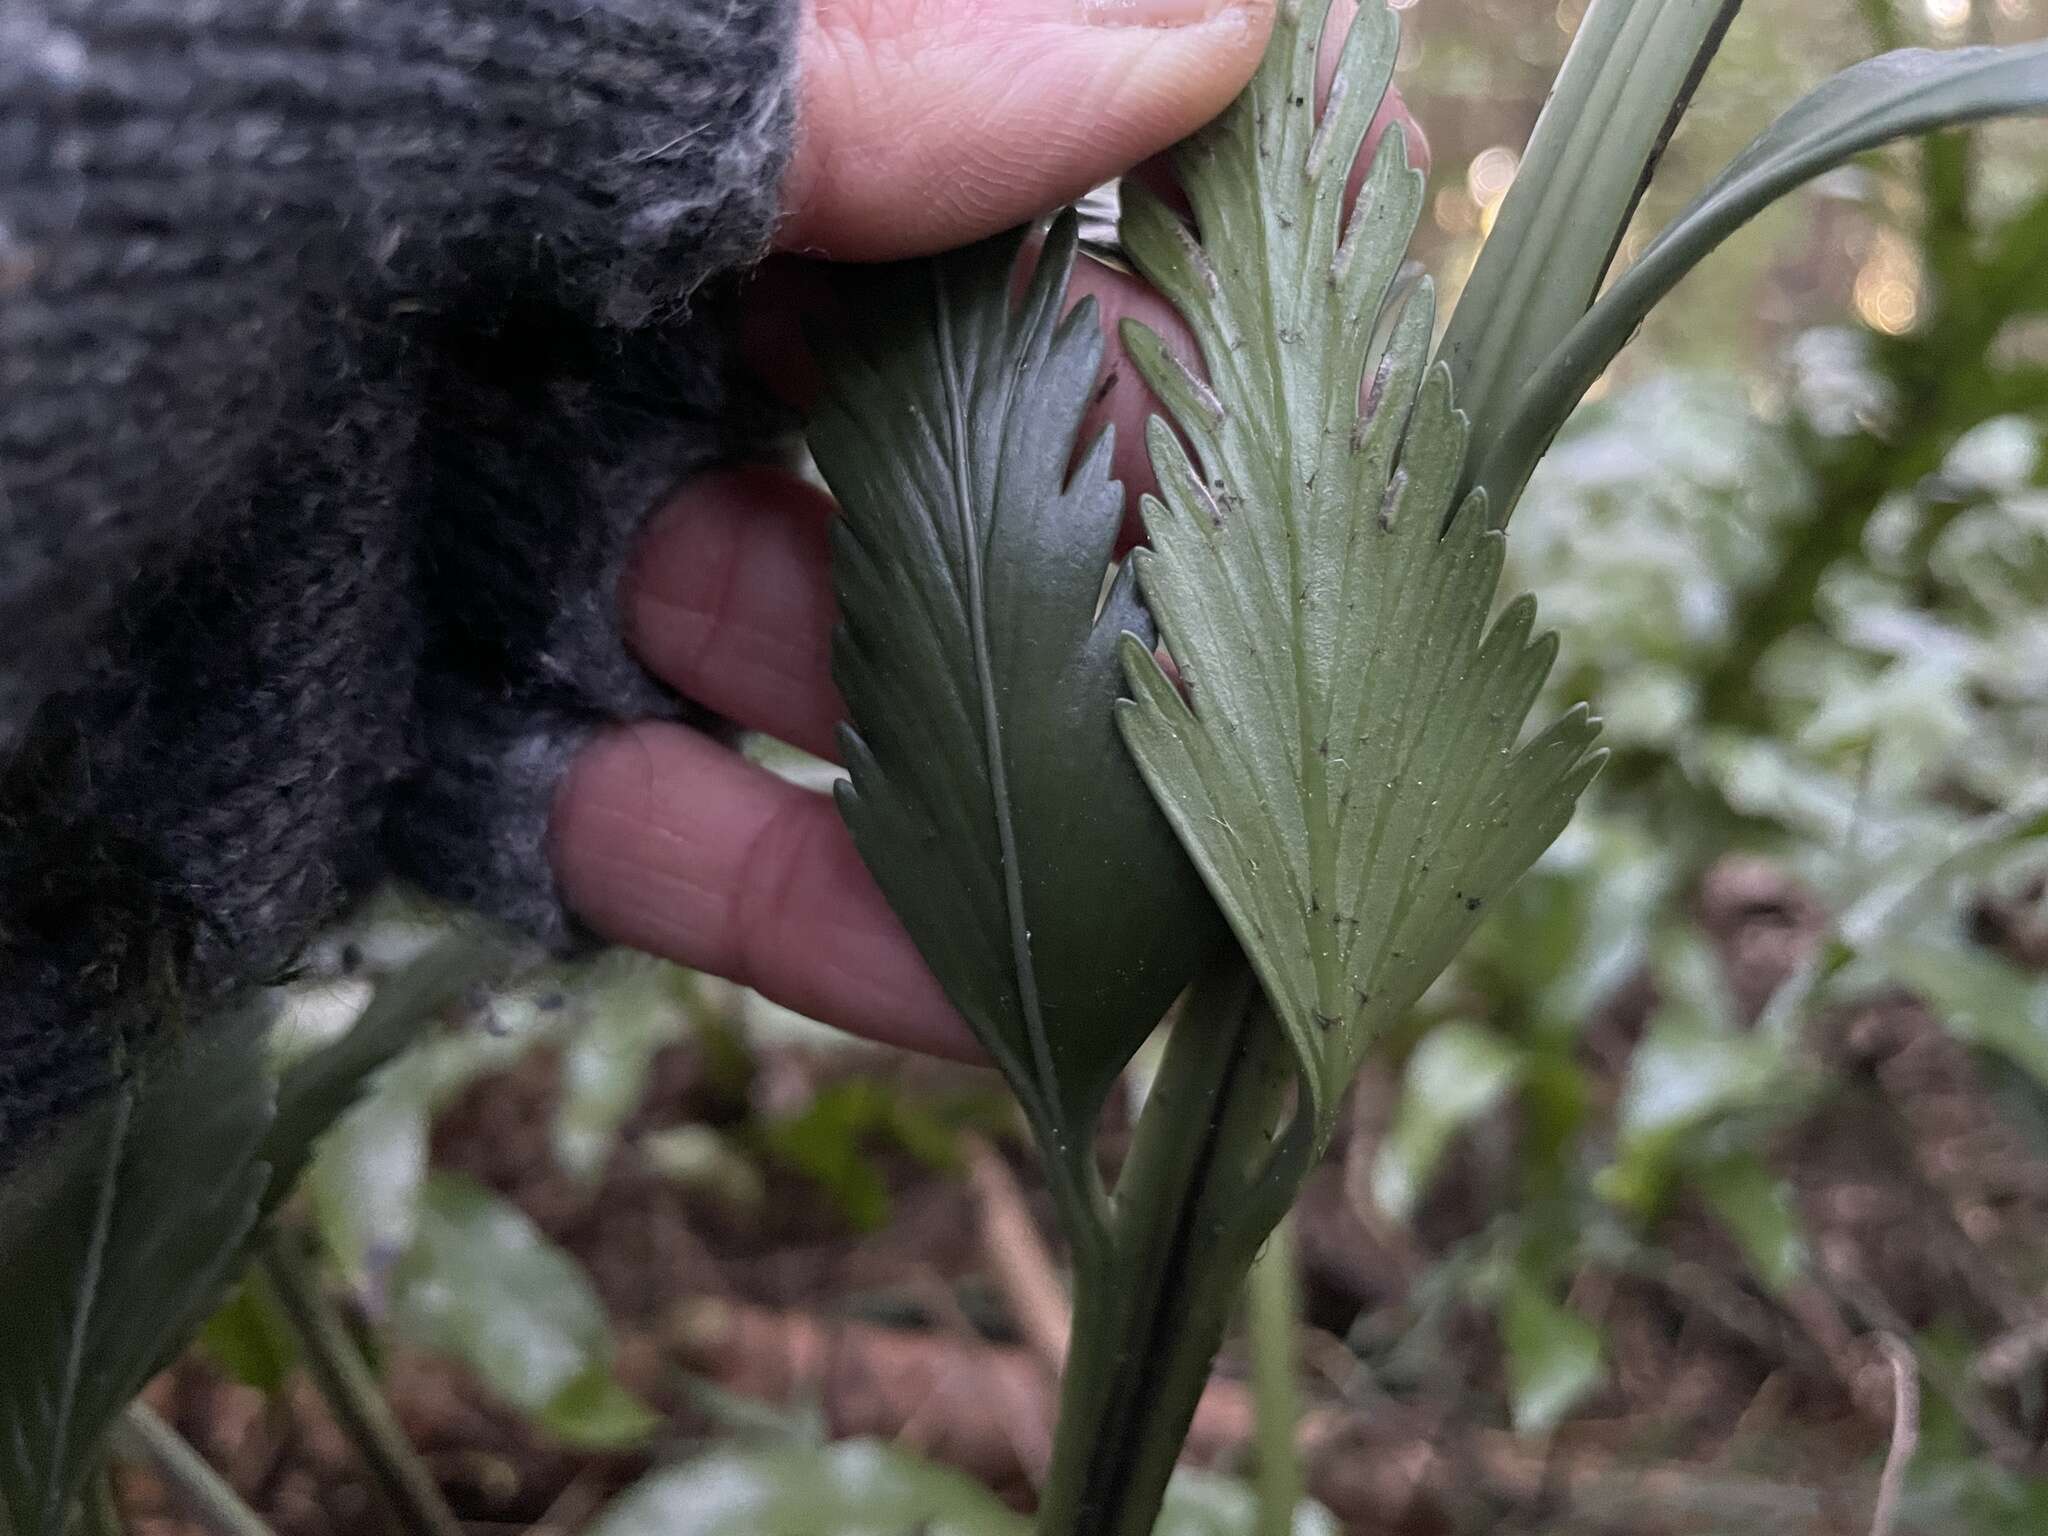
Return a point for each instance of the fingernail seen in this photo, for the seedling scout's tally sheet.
(1154, 13)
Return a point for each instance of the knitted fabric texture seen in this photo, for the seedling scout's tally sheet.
(343, 346)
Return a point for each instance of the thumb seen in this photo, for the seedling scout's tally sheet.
(929, 123)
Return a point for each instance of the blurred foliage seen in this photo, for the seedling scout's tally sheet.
(1810, 603)
(833, 1139)
(480, 1284)
(867, 1488)
(250, 1339)
(854, 1488)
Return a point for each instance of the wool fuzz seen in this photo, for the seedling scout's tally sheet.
(343, 346)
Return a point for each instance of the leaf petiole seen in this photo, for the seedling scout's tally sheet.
(351, 1391)
(139, 1435)
(1218, 1131)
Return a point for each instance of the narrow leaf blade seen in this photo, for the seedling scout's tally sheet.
(1893, 96)
(1458, 1072)
(1554, 1357)
(1631, 68)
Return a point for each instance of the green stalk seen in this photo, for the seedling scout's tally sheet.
(1190, 1210)
(98, 1512)
(351, 1391)
(139, 1435)
(1271, 1302)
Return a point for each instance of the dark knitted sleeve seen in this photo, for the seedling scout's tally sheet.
(343, 345)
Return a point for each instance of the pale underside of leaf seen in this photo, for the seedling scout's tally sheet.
(1346, 766)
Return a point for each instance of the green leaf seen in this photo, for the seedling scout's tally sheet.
(315, 1091)
(483, 1286)
(707, 1161)
(832, 1138)
(1696, 1079)
(1965, 1493)
(828, 1142)
(854, 1488)
(1204, 1503)
(592, 1411)
(1684, 1073)
(250, 1338)
(139, 1233)
(1626, 79)
(1346, 775)
(988, 792)
(1554, 1358)
(1889, 97)
(1757, 1208)
(1576, 928)
(1692, 984)
(1978, 997)
(368, 1173)
(634, 1007)
(1457, 1073)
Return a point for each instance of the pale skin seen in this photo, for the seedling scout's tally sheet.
(925, 124)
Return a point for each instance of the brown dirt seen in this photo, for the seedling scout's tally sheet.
(1726, 1408)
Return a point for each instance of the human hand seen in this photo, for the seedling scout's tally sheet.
(926, 124)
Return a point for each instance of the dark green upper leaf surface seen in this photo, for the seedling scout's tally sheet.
(139, 1233)
(988, 793)
(1889, 97)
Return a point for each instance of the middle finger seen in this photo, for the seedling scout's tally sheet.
(729, 601)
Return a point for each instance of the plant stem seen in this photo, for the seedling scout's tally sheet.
(97, 1513)
(351, 1390)
(1150, 1310)
(139, 1435)
(1270, 1306)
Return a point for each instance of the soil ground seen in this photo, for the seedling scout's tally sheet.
(1726, 1408)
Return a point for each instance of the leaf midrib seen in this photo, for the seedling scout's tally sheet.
(48, 1515)
(1330, 957)
(991, 718)
(1314, 768)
